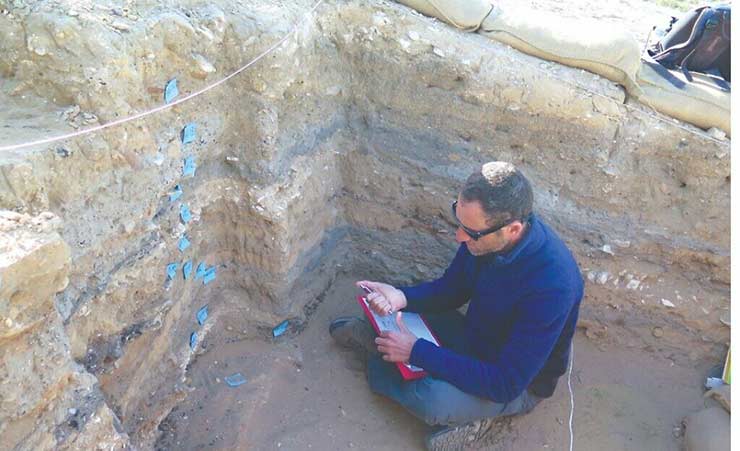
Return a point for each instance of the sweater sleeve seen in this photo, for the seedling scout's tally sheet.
(532, 339)
(446, 293)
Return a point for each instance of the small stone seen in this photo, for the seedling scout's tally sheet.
(72, 411)
(8, 322)
(725, 319)
(667, 303)
(602, 278)
(414, 36)
(716, 133)
(202, 66)
(404, 44)
(657, 332)
(438, 52)
(129, 226)
(120, 25)
(622, 243)
(633, 284)
(607, 249)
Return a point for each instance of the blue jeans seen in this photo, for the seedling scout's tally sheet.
(435, 401)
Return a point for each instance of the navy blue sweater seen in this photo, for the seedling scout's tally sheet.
(519, 323)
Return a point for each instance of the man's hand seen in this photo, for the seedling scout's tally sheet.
(396, 346)
(384, 298)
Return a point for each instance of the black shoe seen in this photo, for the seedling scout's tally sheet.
(354, 333)
(474, 435)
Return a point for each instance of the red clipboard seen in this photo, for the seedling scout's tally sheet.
(408, 373)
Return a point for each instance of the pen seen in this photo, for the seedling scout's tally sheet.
(368, 291)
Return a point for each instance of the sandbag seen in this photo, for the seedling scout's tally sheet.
(464, 14)
(707, 430)
(605, 50)
(699, 102)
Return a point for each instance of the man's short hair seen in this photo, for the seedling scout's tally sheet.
(502, 191)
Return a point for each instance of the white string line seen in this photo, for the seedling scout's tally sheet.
(167, 105)
(570, 389)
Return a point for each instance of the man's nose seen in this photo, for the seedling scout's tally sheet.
(461, 236)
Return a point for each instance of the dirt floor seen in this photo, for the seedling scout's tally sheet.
(303, 392)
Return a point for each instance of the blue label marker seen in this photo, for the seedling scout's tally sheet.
(202, 315)
(187, 135)
(209, 275)
(193, 340)
(280, 329)
(188, 167)
(176, 193)
(171, 91)
(187, 268)
(235, 380)
(201, 271)
(171, 271)
(183, 244)
(185, 214)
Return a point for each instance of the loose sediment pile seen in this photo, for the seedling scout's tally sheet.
(342, 148)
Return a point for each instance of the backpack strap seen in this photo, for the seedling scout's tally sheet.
(716, 77)
(665, 73)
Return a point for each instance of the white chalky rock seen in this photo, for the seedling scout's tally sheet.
(203, 67)
(603, 278)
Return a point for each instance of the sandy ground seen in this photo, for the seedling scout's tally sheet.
(303, 392)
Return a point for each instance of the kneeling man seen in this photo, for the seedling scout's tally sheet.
(507, 352)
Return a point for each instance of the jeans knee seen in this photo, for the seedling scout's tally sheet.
(431, 405)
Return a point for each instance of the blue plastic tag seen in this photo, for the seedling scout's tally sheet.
(171, 271)
(187, 268)
(202, 315)
(193, 340)
(235, 380)
(188, 167)
(185, 214)
(209, 275)
(201, 271)
(183, 244)
(171, 91)
(176, 193)
(280, 329)
(187, 135)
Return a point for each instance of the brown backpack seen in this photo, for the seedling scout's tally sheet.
(699, 42)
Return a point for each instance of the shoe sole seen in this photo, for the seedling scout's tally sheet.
(461, 438)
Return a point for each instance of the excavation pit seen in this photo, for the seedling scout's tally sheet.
(332, 159)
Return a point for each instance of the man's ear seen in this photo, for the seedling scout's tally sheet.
(516, 228)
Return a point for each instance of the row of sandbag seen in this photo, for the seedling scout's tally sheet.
(597, 47)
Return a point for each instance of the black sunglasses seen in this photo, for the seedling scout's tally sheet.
(476, 235)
